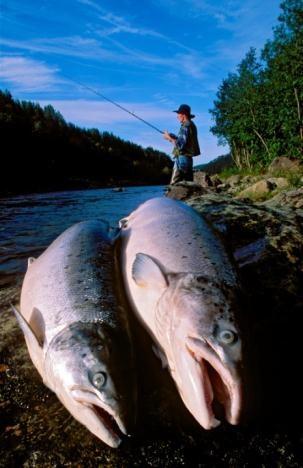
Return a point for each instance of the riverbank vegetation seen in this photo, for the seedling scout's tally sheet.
(41, 151)
(259, 108)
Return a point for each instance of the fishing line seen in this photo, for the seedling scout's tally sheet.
(113, 102)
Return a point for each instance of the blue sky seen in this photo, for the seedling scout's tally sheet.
(149, 56)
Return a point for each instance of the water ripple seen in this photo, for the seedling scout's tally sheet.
(30, 223)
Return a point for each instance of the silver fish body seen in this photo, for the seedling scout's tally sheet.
(183, 287)
(77, 331)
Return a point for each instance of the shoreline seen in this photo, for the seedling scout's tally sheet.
(122, 184)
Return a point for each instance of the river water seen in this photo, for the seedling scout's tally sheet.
(29, 223)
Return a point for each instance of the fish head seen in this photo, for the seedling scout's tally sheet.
(195, 324)
(89, 367)
(204, 346)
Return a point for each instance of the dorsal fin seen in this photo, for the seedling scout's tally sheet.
(30, 261)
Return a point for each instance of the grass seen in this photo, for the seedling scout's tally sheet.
(295, 179)
(230, 171)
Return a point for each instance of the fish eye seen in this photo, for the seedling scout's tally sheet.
(227, 337)
(99, 380)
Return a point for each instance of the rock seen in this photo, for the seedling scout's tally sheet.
(292, 199)
(3, 368)
(118, 189)
(216, 181)
(280, 182)
(283, 163)
(203, 179)
(184, 190)
(222, 187)
(257, 190)
(267, 246)
(233, 180)
(249, 180)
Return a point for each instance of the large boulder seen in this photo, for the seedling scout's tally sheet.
(203, 179)
(184, 190)
(216, 181)
(282, 164)
(279, 183)
(258, 190)
(266, 245)
(292, 199)
(233, 180)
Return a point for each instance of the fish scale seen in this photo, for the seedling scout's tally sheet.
(76, 328)
(76, 290)
(184, 289)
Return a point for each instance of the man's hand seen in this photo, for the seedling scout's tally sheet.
(168, 136)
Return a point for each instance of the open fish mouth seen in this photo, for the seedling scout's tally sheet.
(101, 419)
(220, 384)
(108, 421)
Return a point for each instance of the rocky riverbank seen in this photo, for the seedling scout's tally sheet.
(280, 185)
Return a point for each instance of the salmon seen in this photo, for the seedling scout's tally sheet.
(184, 289)
(76, 330)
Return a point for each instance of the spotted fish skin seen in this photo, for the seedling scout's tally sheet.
(75, 324)
(184, 288)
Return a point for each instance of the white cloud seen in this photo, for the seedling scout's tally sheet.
(191, 64)
(75, 46)
(27, 74)
(90, 112)
(120, 24)
(72, 46)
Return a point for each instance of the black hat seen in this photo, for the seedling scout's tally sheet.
(185, 109)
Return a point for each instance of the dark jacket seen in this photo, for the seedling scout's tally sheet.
(187, 141)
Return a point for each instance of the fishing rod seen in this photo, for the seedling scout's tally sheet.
(113, 102)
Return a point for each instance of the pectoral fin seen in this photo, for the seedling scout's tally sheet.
(160, 355)
(146, 272)
(35, 341)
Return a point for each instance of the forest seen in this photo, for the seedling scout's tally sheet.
(258, 111)
(42, 152)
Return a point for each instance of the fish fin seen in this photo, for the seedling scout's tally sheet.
(30, 260)
(110, 233)
(33, 340)
(123, 223)
(160, 355)
(37, 324)
(146, 272)
(114, 234)
(105, 225)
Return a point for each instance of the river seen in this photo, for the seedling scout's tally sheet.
(29, 223)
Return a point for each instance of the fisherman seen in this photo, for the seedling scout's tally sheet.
(186, 145)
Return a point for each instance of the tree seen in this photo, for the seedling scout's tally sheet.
(258, 110)
(52, 154)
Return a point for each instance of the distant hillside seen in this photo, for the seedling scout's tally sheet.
(217, 165)
(42, 152)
